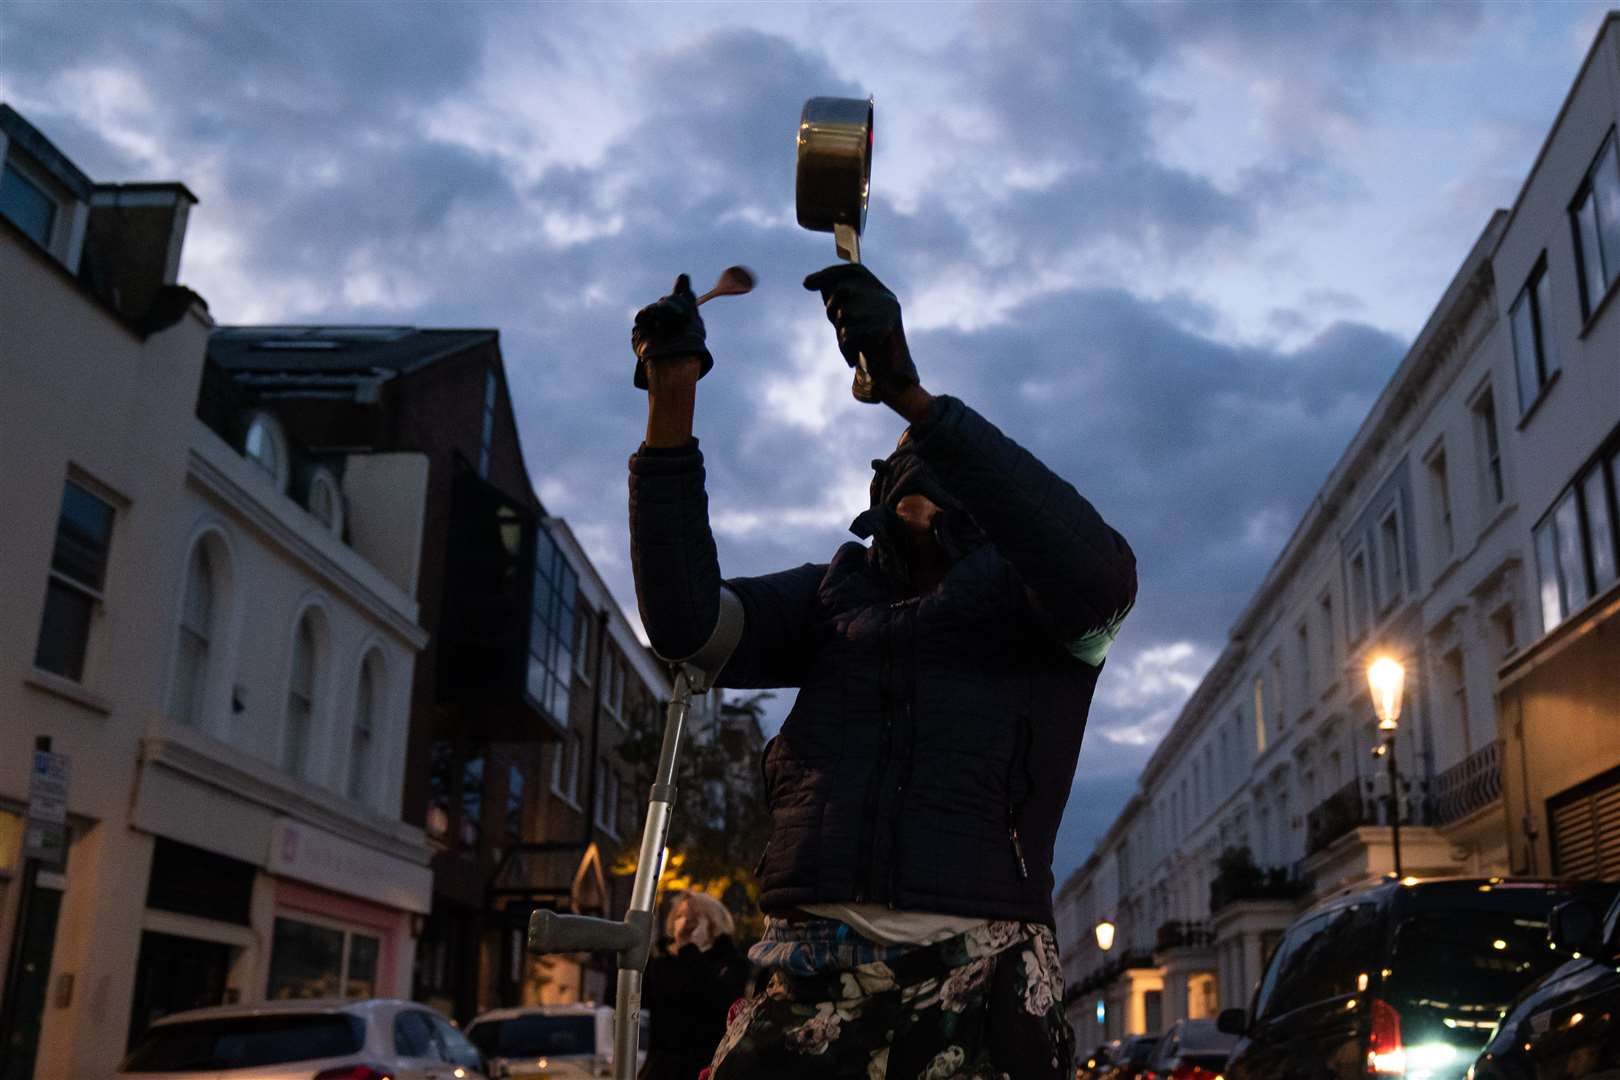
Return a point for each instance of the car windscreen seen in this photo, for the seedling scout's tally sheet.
(1142, 1052)
(244, 1042)
(535, 1036)
(1458, 960)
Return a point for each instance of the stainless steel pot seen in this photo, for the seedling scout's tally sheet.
(835, 169)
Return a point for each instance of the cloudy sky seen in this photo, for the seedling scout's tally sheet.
(1174, 249)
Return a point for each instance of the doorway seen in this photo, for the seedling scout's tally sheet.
(175, 973)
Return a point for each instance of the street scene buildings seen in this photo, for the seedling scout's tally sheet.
(1468, 531)
(306, 694)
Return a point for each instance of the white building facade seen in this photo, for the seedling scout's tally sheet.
(1469, 530)
(215, 632)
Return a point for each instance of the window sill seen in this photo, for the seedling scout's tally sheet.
(1597, 312)
(1541, 395)
(67, 689)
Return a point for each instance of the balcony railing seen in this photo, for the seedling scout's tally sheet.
(1111, 970)
(1181, 934)
(1472, 784)
(1336, 815)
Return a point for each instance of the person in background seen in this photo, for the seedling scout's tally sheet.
(688, 991)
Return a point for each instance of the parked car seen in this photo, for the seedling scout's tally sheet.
(551, 1042)
(304, 1040)
(1190, 1050)
(1096, 1063)
(1404, 979)
(1568, 1024)
(1131, 1059)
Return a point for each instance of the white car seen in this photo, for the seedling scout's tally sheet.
(304, 1040)
(550, 1042)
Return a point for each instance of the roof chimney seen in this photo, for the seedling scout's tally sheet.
(132, 246)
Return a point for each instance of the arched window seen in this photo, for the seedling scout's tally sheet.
(326, 501)
(265, 447)
(363, 734)
(300, 700)
(196, 621)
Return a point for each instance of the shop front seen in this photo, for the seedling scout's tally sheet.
(342, 916)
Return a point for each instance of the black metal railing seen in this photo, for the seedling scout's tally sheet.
(1183, 934)
(1111, 970)
(1472, 784)
(1336, 815)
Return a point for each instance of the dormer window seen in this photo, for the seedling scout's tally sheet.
(265, 447)
(326, 501)
(27, 204)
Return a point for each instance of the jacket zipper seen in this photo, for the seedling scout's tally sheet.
(874, 785)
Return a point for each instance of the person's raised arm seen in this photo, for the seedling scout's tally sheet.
(672, 552)
(1079, 573)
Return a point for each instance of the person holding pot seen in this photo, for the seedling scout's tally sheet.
(945, 670)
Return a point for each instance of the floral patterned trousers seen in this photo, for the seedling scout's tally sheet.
(984, 1005)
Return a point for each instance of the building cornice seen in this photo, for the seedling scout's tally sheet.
(244, 777)
(380, 599)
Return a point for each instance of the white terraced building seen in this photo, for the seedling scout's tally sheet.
(1469, 529)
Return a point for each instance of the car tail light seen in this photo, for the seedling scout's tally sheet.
(1385, 1055)
(355, 1072)
(1188, 1070)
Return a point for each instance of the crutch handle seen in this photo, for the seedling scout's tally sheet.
(550, 932)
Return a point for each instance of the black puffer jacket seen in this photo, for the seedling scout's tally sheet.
(928, 758)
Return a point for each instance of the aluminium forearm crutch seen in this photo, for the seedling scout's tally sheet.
(632, 939)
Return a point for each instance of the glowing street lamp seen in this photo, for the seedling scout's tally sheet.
(1105, 935)
(1386, 678)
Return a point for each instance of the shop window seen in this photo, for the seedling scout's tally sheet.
(191, 660)
(190, 881)
(73, 591)
(308, 960)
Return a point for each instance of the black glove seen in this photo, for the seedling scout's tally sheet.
(671, 326)
(866, 316)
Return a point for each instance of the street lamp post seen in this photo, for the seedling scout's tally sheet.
(1386, 678)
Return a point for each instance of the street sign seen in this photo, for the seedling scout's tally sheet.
(45, 830)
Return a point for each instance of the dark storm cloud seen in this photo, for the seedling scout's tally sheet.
(1202, 452)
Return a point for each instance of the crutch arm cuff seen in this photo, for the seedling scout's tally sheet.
(704, 665)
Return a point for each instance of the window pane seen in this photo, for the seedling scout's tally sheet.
(1544, 323)
(1598, 529)
(26, 204)
(362, 977)
(360, 738)
(472, 800)
(64, 630)
(199, 602)
(1524, 351)
(1586, 229)
(1552, 608)
(1571, 562)
(514, 804)
(190, 676)
(82, 535)
(304, 961)
(1606, 191)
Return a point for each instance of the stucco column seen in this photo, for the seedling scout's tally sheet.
(98, 940)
